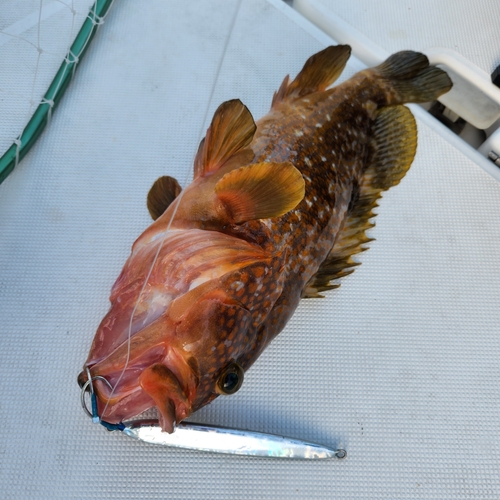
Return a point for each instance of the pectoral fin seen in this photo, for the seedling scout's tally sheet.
(390, 155)
(260, 191)
(162, 193)
(231, 130)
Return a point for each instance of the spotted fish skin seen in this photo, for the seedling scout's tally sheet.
(275, 212)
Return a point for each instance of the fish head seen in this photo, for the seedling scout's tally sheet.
(214, 330)
(144, 371)
(178, 361)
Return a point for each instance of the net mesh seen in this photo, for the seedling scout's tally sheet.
(41, 43)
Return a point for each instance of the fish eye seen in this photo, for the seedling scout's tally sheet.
(230, 380)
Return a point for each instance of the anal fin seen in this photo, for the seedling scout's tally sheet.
(391, 152)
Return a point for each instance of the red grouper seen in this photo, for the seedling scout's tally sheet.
(275, 212)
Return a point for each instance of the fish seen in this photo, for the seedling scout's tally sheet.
(276, 212)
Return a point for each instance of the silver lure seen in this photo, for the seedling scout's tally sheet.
(211, 438)
(214, 439)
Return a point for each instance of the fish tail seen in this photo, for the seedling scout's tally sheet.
(413, 79)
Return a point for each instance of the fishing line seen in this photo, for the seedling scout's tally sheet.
(176, 201)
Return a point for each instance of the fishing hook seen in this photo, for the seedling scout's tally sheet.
(89, 387)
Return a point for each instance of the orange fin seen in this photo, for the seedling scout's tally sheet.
(260, 191)
(231, 130)
(162, 193)
(198, 160)
(390, 155)
(318, 73)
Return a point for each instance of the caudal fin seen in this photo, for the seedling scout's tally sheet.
(412, 77)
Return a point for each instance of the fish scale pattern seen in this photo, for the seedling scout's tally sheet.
(399, 365)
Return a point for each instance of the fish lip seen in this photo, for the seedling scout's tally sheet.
(168, 424)
(178, 409)
(161, 383)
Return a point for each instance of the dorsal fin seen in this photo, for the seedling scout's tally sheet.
(318, 73)
(390, 155)
(231, 130)
(162, 193)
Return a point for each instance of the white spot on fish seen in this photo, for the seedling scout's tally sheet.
(328, 117)
(307, 100)
(308, 179)
(309, 203)
(267, 223)
(237, 285)
(307, 161)
(303, 117)
(318, 125)
(320, 138)
(323, 158)
(299, 133)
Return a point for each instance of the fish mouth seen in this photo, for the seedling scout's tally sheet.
(140, 389)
